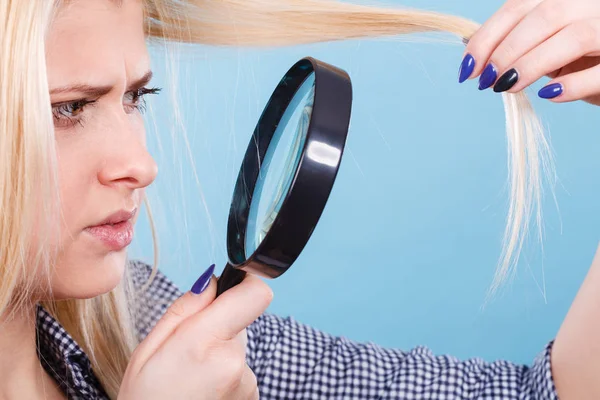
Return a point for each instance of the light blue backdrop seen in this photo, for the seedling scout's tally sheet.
(407, 245)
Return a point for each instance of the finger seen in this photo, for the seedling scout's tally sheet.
(568, 45)
(579, 65)
(493, 31)
(243, 338)
(554, 74)
(576, 86)
(240, 341)
(576, 66)
(594, 100)
(232, 311)
(181, 309)
(545, 20)
(249, 382)
(248, 387)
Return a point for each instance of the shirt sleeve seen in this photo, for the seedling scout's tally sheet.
(294, 361)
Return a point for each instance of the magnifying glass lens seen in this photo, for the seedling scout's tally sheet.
(279, 165)
(288, 171)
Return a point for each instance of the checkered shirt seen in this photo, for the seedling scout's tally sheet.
(295, 361)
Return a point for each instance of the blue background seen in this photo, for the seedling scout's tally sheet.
(408, 243)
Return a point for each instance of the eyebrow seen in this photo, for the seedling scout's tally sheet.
(98, 91)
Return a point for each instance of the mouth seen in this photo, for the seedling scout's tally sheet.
(118, 217)
(114, 232)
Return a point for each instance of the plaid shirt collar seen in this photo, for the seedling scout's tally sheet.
(64, 360)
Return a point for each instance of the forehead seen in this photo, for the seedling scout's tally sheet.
(96, 42)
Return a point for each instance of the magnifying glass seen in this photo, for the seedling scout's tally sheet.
(288, 171)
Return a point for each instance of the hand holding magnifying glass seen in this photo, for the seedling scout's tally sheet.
(288, 171)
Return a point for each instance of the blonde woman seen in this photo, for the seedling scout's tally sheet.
(80, 321)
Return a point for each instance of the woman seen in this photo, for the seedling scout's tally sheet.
(73, 176)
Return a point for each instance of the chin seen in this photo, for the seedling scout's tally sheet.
(88, 277)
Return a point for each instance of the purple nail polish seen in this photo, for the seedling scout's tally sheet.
(466, 68)
(488, 77)
(202, 283)
(551, 91)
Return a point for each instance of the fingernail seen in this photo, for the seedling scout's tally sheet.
(506, 81)
(466, 68)
(202, 282)
(551, 91)
(488, 77)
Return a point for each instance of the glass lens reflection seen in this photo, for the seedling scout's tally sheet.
(279, 165)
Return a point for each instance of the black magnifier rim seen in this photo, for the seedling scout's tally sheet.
(308, 194)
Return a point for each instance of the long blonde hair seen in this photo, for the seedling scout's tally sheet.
(102, 326)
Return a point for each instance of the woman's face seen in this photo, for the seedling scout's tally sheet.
(98, 69)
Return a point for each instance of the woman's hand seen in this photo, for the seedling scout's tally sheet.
(198, 349)
(528, 39)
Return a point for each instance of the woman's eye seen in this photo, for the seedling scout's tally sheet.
(69, 114)
(134, 100)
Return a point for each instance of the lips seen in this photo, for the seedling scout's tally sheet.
(114, 232)
(118, 217)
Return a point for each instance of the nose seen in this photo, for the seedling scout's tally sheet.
(128, 162)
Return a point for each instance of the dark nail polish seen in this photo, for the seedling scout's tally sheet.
(507, 81)
(551, 91)
(202, 282)
(488, 77)
(466, 68)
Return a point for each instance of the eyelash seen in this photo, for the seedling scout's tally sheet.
(63, 113)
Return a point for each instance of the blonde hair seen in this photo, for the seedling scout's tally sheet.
(103, 325)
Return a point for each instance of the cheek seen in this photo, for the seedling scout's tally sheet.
(137, 125)
(75, 174)
(79, 271)
(53, 224)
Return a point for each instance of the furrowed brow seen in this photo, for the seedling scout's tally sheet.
(98, 91)
(141, 82)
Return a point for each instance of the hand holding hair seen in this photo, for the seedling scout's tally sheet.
(529, 39)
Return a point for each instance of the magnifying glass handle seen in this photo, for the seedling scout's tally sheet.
(229, 278)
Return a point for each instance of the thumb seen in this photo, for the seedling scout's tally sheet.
(188, 304)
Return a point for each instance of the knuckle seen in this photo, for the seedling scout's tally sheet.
(250, 385)
(135, 358)
(176, 309)
(232, 365)
(514, 7)
(217, 337)
(550, 12)
(198, 354)
(135, 361)
(586, 35)
(235, 365)
(215, 353)
(252, 381)
(504, 55)
(477, 43)
(255, 394)
(197, 349)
